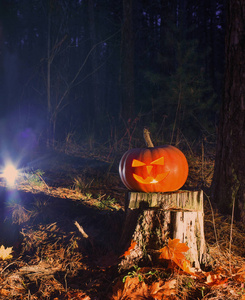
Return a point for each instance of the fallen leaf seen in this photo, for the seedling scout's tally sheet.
(77, 296)
(5, 253)
(132, 289)
(4, 292)
(174, 252)
(215, 279)
(159, 289)
(186, 267)
(131, 247)
(240, 274)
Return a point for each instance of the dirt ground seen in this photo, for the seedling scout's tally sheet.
(63, 222)
(64, 219)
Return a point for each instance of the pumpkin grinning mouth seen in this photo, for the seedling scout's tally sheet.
(150, 179)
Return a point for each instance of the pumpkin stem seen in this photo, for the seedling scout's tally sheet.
(146, 134)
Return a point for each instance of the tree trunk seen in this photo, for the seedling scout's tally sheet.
(49, 62)
(228, 186)
(127, 62)
(2, 75)
(95, 103)
(151, 218)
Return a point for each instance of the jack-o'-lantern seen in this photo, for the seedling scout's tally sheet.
(155, 169)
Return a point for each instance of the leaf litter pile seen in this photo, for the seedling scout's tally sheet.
(60, 231)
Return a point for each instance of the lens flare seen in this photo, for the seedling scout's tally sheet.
(10, 173)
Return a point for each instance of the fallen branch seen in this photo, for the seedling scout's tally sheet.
(79, 227)
(43, 269)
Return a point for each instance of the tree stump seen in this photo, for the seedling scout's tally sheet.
(151, 218)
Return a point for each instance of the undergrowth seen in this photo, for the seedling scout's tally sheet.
(80, 267)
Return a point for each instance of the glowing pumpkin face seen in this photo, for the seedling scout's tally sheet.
(150, 178)
(158, 169)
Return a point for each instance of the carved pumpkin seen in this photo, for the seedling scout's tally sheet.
(157, 169)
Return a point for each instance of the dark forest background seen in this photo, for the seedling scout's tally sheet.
(100, 70)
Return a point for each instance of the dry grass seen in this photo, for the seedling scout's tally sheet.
(54, 261)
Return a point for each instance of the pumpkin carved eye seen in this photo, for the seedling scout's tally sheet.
(159, 161)
(138, 163)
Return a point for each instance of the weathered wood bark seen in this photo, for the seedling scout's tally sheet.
(229, 174)
(152, 218)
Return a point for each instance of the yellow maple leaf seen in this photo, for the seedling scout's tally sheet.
(5, 252)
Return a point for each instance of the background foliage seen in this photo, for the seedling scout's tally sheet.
(64, 67)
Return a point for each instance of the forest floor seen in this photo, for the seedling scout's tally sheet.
(61, 224)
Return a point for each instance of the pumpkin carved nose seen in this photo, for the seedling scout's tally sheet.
(149, 168)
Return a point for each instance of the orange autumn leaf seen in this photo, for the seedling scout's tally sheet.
(160, 290)
(131, 247)
(4, 292)
(174, 252)
(215, 279)
(132, 289)
(240, 275)
(186, 267)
